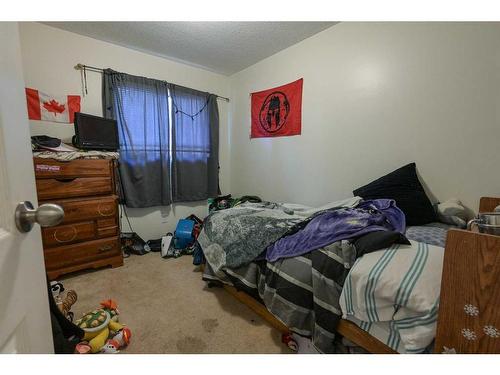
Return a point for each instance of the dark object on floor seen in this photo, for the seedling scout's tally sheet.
(378, 240)
(154, 245)
(44, 141)
(132, 243)
(403, 186)
(215, 284)
(64, 333)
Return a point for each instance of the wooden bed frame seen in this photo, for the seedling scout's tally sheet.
(471, 277)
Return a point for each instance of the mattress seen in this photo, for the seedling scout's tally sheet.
(393, 294)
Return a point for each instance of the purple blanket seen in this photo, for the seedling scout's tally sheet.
(339, 224)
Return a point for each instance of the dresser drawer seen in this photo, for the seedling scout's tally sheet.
(102, 223)
(83, 209)
(51, 188)
(107, 227)
(48, 168)
(69, 255)
(68, 234)
(107, 232)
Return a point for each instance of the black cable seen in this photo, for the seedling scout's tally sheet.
(125, 253)
(121, 206)
(126, 216)
(122, 195)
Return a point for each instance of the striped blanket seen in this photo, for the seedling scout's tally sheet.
(302, 292)
(394, 295)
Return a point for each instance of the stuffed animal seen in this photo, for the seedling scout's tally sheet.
(56, 288)
(120, 340)
(100, 324)
(64, 304)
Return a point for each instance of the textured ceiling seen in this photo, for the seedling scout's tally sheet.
(222, 47)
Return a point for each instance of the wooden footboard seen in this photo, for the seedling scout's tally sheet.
(469, 308)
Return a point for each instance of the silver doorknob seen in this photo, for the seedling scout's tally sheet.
(47, 215)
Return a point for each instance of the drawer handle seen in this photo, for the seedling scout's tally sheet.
(65, 180)
(105, 248)
(75, 232)
(105, 211)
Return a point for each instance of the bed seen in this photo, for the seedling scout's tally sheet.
(381, 308)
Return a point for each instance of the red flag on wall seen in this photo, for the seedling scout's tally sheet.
(277, 112)
(45, 107)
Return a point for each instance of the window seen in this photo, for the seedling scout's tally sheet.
(168, 140)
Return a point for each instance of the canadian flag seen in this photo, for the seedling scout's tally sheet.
(45, 107)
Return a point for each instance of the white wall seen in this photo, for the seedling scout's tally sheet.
(49, 55)
(377, 96)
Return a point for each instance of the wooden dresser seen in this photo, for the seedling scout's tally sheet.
(89, 236)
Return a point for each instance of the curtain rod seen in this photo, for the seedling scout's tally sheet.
(100, 70)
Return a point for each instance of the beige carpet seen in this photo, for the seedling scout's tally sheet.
(169, 309)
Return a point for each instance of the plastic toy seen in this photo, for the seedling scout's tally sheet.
(120, 340)
(287, 339)
(100, 324)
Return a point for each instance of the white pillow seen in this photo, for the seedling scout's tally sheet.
(452, 212)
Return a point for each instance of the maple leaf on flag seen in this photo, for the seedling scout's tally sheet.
(54, 106)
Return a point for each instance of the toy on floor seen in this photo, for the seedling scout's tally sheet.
(286, 338)
(65, 303)
(120, 340)
(83, 348)
(184, 238)
(100, 325)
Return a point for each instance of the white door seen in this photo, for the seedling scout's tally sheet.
(24, 311)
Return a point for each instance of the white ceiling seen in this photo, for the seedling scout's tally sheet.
(222, 47)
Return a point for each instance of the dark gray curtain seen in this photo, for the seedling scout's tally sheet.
(140, 106)
(195, 144)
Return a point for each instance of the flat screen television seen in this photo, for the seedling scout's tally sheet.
(95, 133)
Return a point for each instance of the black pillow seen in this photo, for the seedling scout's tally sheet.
(403, 186)
(374, 241)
